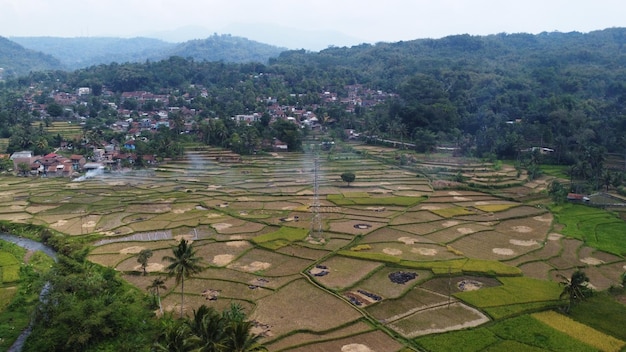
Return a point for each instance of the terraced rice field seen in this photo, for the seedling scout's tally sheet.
(331, 290)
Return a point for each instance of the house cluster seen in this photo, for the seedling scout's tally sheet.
(154, 111)
(110, 155)
(50, 165)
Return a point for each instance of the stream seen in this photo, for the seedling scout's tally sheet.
(31, 246)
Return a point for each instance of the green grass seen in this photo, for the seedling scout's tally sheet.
(465, 265)
(602, 312)
(355, 194)
(559, 171)
(452, 212)
(512, 346)
(380, 257)
(529, 331)
(9, 268)
(461, 341)
(7, 259)
(579, 331)
(514, 291)
(357, 199)
(596, 227)
(281, 238)
(6, 295)
(522, 333)
(511, 310)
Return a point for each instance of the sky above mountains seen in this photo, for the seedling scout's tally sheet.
(311, 25)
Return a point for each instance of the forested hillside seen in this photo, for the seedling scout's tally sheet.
(486, 96)
(82, 52)
(16, 60)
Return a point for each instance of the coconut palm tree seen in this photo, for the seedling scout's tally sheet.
(209, 327)
(574, 288)
(228, 331)
(239, 338)
(182, 266)
(156, 285)
(175, 336)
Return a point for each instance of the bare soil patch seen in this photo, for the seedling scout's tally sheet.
(221, 226)
(469, 285)
(365, 342)
(345, 272)
(392, 251)
(523, 243)
(132, 250)
(439, 319)
(356, 347)
(450, 234)
(252, 267)
(444, 285)
(408, 240)
(271, 310)
(522, 229)
(353, 226)
(503, 251)
(591, 261)
(569, 255)
(151, 267)
(223, 259)
(424, 251)
(537, 270)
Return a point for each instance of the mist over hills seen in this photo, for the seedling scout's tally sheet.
(17, 60)
(49, 53)
(79, 52)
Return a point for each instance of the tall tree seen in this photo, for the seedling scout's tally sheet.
(175, 336)
(348, 177)
(240, 339)
(574, 288)
(155, 287)
(183, 264)
(142, 259)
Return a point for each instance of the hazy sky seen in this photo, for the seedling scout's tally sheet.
(365, 20)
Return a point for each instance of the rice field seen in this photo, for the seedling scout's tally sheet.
(340, 286)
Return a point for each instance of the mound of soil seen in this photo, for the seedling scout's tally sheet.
(402, 277)
(469, 285)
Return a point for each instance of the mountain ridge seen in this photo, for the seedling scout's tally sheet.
(80, 52)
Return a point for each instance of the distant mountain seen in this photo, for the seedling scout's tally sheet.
(226, 48)
(82, 52)
(292, 38)
(277, 35)
(15, 60)
(182, 34)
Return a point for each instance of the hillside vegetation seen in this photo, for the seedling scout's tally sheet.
(80, 52)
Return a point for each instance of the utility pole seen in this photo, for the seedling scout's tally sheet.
(316, 221)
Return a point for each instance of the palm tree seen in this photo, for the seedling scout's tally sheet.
(156, 285)
(183, 265)
(574, 288)
(209, 327)
(228, 331)
(142, 259)
(240, 339)
(175, 336)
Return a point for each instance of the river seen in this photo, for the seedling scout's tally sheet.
(31, 246)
